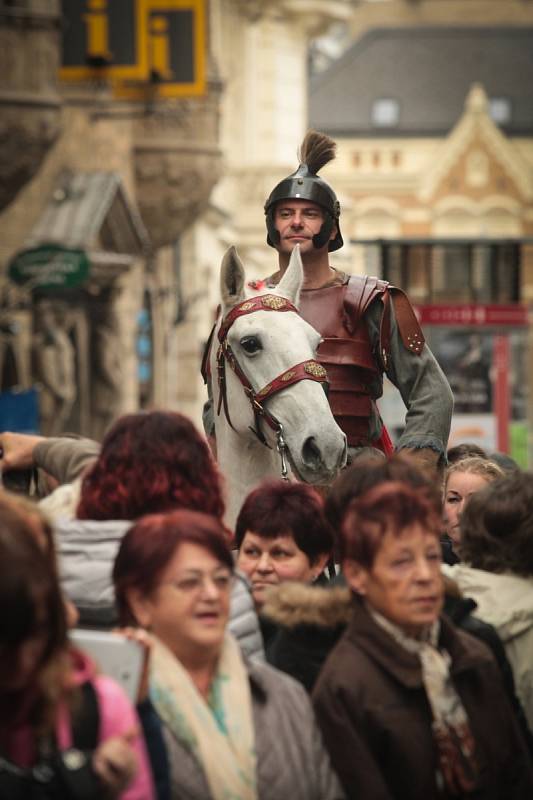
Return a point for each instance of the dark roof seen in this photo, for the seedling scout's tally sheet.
(429, 70)
(84, 205)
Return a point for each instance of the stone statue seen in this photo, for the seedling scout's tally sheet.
(107, 363)
(54, 365)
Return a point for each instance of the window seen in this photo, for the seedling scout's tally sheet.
(385, 113)
(500, 110)
(455, 272)
(145, 354)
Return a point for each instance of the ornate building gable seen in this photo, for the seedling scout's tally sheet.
(477, 161)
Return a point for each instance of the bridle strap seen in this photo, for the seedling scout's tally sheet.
(305, 370)
(263, 302)
(309, 370)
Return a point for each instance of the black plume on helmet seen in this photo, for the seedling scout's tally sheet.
(316, 150)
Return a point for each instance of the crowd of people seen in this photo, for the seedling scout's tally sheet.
(376, 643)
(371, 642)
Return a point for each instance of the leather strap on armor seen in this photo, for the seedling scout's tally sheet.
(354, 369)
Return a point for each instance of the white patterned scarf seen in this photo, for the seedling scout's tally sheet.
(451, 728)
(220, 731)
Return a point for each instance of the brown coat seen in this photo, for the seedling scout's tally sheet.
(376, 721)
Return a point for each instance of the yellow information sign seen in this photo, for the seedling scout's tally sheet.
(145, 48)
(108, 38)
(176, 52)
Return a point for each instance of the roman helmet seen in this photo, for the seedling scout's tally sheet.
(316, 150)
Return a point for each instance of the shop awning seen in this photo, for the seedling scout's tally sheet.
(88, 229)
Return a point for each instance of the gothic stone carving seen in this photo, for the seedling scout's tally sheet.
(177, 164)
(30, 105)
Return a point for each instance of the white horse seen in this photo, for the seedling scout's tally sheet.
(266, 384)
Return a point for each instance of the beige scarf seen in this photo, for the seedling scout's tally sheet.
(451, 728)
(220, 732)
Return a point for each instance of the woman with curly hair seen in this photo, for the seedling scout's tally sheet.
(497, 570)
(149, 462)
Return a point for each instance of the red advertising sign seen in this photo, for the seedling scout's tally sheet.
(515, 315)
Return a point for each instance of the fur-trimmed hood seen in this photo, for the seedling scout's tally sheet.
(291, 604)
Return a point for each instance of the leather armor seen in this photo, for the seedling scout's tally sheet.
(354, 369)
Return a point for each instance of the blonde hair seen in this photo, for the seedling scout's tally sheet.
(476, 465)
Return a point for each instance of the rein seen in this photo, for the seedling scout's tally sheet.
(309, 370)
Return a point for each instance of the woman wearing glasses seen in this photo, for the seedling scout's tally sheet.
(233, 729)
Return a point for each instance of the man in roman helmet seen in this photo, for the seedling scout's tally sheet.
(368, 326)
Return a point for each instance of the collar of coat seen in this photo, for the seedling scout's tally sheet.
(293, 604)
(467, 653)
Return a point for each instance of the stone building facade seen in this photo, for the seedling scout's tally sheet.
(190, 176)
(131, 335)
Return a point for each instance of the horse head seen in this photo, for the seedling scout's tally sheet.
(266, 371)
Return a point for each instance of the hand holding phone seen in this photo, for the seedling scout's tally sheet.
(116, 655)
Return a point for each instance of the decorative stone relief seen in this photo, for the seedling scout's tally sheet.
(314, 15)
(177, 163)
(30, 106)
(252, 10)
(477, 169)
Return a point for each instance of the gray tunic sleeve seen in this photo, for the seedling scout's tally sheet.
(423, 386)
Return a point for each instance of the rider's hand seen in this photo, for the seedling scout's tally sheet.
(425, 458)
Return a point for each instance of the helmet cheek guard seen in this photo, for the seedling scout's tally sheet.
(324, 234)
(273, 236)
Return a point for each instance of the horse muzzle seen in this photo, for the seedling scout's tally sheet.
(321, 464)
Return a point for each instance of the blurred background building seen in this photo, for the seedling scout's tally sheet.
(140, 138)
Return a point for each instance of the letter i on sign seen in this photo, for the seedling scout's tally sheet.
(159, 48)
(97, 30)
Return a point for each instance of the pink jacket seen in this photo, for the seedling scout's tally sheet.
(117, 716)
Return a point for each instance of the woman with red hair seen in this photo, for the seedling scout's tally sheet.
(282, 535)
(149, 462)
(284, 544)
(411, 707)
(233, 728)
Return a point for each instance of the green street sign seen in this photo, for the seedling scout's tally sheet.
(49, 267)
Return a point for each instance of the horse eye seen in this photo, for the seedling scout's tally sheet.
(251, 344)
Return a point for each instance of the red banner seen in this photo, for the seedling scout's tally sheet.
(473, 315)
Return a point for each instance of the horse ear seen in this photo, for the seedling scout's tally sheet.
(291, 283)
(231, 279)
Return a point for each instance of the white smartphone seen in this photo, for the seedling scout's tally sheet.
(115, 655)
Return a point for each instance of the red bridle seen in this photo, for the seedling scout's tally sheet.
(309, 370)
